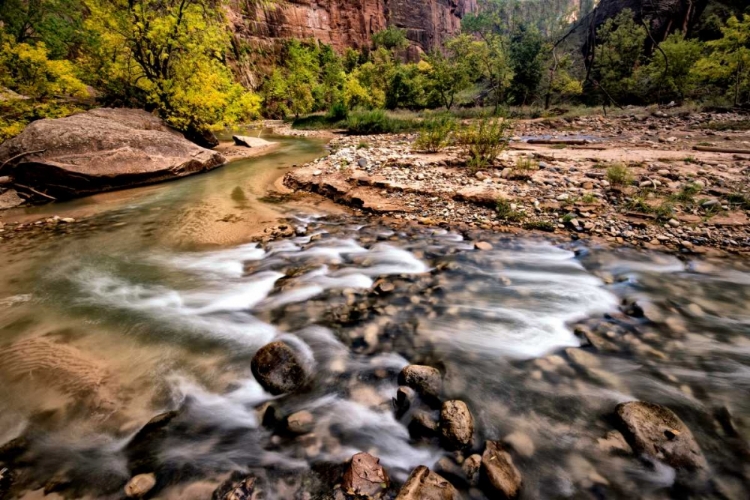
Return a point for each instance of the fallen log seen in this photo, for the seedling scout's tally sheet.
(567, 142)
(712, 149)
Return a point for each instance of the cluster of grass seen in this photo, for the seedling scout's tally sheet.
(484, 140)
(686, 195)
(435, 133)
(540, 225)
(728, 125)
(378, 122)
(589, 198)
(619, 175)
(506, 212)
(743, 201)
(663, 211)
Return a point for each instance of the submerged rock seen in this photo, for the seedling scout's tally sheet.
(456, 425)
(656, 431)
(423, 484)
(238, 488)
(101, 150)
(301, 422)
(278, 369)
(425, 380)
(140, 485)
(499, 475)
(365, 477)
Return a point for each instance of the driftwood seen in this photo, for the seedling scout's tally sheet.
(21, 155)
(36, 192)
(711, 149)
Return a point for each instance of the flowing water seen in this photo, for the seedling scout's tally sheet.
(160, 303)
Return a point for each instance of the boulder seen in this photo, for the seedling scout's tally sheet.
(365, 477)
(456, 425)
(278, 368)
(101, 150)
(498, 474)
(140, 485)
(656, 431)
(250, 142)
(425, 380)
(423, 484)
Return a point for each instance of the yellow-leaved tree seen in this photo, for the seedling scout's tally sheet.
(170, 56)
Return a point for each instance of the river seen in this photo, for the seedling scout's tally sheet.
(160, 302)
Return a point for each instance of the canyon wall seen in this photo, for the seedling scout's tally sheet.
(348, 23)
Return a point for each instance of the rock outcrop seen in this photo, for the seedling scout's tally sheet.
(349, 23)
(100, 150)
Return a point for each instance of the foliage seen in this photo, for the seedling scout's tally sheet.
(391, 38)
(540, 225)
(505, 211)
(169, 55)
(377, 122)
(670, 73)
(619, 175)
(526, 62)
(435, 133)
(449, 72)
(484, 140)
(728, 65)
(619, 52)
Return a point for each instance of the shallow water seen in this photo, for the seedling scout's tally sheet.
(103, 330)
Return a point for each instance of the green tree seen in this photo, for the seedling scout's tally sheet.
(56, 23)
(526, 61)
(728, 64)
(391, 38)
(450, 70)
(170, 56)
(670, 74)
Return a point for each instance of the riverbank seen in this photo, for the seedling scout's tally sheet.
(650, 180)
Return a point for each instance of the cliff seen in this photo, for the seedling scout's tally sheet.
(348, 23)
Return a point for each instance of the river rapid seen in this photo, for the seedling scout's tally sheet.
(157, 306)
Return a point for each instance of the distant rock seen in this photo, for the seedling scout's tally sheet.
(423, 484)
(656, 431)
(278, 368)
(365, 477)
(100, 150)
(500, 477)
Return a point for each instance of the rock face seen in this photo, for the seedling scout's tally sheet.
(277, 368)
(101, 150)
(498, 472)
(365, 477)
(423, 484)
(349, 23)
(658, 432)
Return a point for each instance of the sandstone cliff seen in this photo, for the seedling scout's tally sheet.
(348, 23)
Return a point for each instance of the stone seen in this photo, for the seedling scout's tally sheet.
(456, 425)
(238, 488)
(102, 150)
(10, 199)
(521, 443)
(278, 369)
(365, 476)
(404, 399)
(425, 380)
(362, 162)
(657, 431)
(424, 484)
(301, 422)
(140, 485)
(499, 475)
(471, 468)
(250, 142)
(422, 425)
(483, 245)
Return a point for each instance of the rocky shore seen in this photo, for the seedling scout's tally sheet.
(651, 180)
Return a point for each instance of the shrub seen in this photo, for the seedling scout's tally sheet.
(687, 194)
(619, 175)
(338, 112)
(540, 225)
(505, 211)
(377, 122)
(485, 140)
(589, 198)
(435, 133)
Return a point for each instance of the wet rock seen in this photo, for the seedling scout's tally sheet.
(6, 481)
(521, 443)
(238, 487)
(483, 245)
(404, 399)
(365, 477)
(456, 425)
(250, 142)
(301, 422)
(471, 468)
(140, 485)
(425, 380)
(423, 484)
(422, 425)
(614, 443)
(656, 431)
(278, 369)
(499, 475)
(142, 450)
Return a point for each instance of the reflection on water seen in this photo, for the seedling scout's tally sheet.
(100, 333)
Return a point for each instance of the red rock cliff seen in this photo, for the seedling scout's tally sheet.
(349, 23)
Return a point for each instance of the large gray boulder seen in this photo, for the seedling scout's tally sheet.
(100, 150)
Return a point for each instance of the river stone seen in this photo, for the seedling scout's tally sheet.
(456, 425)
(498, 474)
(278, 369)
(250, 142)
(10, 199)
(425, 380)
(365, 476)
(301, 422)
(471, 468)
(140, 485)
(422, 424)
(101, 150)
(423, 484)
(656, 431)
(238, 488)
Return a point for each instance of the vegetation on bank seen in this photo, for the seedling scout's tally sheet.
(174, 57)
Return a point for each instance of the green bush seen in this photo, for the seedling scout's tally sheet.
(378, 122)
(484, 140)
(435, 133)
(540, 225)
(506, 212)
(619, 175)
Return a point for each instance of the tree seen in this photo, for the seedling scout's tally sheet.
(450, 72)
(56, 23)
(526, 62)
(728, 64)
(169, 55)
(391, 38)
(670, 74)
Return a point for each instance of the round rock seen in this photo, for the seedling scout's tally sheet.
(425, 380)
(499, 475)
(278, 369)
(140, 485)
(456, 425)
(365, 477)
